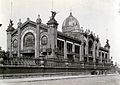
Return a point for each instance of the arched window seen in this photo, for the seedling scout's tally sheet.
(15, 43)
(29, 40)
(44, 40)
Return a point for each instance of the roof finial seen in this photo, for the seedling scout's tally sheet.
(38, 21)
(28, 19)
(19, 23)
(70, 12)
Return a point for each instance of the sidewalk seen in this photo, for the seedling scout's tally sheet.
(50, 78)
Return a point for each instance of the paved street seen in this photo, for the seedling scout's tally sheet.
(66, 80)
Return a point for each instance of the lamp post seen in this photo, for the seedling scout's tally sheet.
(0, 25)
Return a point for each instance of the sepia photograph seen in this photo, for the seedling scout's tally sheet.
(59, 42)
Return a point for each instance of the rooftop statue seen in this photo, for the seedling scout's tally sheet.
(107, 42)
(11, 23)
(53, 14)
(52, 18)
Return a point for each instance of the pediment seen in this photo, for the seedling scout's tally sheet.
(28, 24)
(32, 24)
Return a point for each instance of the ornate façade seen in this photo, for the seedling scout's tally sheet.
(37, 44)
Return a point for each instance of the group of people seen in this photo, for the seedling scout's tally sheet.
(98, 72)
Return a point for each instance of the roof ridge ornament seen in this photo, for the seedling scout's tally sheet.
(19, 23)
(28, 19)
(38, 21)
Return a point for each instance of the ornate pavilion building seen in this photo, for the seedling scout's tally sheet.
(37, 44)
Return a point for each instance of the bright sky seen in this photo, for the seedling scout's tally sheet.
(100, 16)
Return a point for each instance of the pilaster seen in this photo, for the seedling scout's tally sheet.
(73, 50)
(86, 51)
(38, 40)
(38, 21)
(80, 56)
(94, 59)
(82, 47)
(65, 50)
(19, 37)
(100, 57)
(9, 43)
(19, 42)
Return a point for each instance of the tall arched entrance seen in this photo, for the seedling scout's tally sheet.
(29, 45)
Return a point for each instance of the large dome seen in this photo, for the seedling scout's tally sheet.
(70, 24)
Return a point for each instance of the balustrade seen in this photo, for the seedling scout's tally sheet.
(54, 63)
(19, 61)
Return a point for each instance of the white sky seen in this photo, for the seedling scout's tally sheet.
(100, 16)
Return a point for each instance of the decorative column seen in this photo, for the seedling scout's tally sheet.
(73, 50)
(38, 21)
(65, 50)
(104, 57)
(108, 56)
(19, 37)
(82, 50)
(97, 51)
(80, 53)
(65, 53)
(86, 50)
(100, 56)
